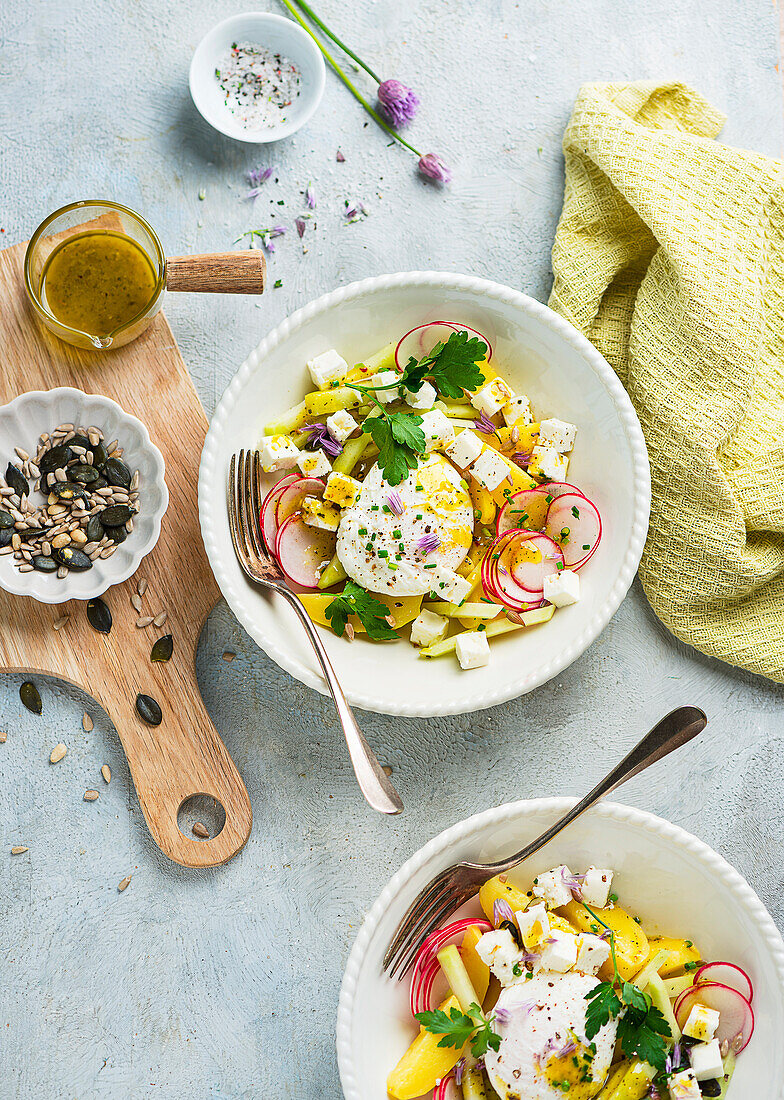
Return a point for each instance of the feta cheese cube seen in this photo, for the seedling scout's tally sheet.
(598, 880)
(519, 408)
(551, 885)
(489, 469)
(592, 953)
(534, 925)
(438, 430)
(492, 397)
(385, 378)
(683, 1086)
(472, 649)
(327, 368)
(466, 448)
(450, 586)
(557, 434)
(341, 489)
(549, 463)
(424, 398)
(428, 628)
(562, 588)
(500, 952)
(341, 425)
(278, 452)
(320, 513)
(706, 1060)
(314, 464)
(558, 953)
(702, 1023)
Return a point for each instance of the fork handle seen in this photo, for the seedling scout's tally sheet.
(675, 729)
(371, 777)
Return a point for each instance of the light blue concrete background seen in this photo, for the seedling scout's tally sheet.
(223, 985)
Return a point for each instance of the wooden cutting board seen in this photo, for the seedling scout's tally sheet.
(183, 756)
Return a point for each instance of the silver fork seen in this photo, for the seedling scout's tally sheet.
(456, 885)
(244, 503)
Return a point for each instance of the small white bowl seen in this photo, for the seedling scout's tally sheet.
(277, 33)
(21, 423)
(678, 885)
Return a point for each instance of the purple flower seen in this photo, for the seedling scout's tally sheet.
(320, 437)
(428, 543)
(502, 911)
(574, 884)
(484, 424)
(395, 502)
(459, 1070)
(310, 198)
(521, 458)
(354, 210)
(502, 1016)
(300, 224)
(433, 168)
(397, 102)
(673, 1061)
(256, 177)
(269, 235)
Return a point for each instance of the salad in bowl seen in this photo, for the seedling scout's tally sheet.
(559, 990)
(418, 495)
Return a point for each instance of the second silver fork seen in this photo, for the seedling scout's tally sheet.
(258, 566)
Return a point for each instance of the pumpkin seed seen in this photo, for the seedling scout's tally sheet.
(83, 475)
(100, 455)
(44, 564)
(68, 490)
(6, 520)
(18, 482)
(163, 648)
(57, 753)
(106, 772)
(6, 534)
(117, 473)
(99, 616)
(94, 529)
(56, 458)
(89, 796)
(71, 558)
(116, 534)
(79, 440)
(148, 710)
(31, 697)
(115, 516)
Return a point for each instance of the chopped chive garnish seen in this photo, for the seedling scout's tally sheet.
(576, 512)
(383, 553)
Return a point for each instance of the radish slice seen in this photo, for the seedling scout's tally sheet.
(290, 500)
(726, 973)
(574, 523)
(267, 517)
(737, 1016)
(530, 558)
(421, 340)
(526, 510)
(302, 550)
(447, 1088)
(426, 956)
(498, 579)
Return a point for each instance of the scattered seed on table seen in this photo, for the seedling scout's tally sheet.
(136, 603)
(99, 616)
(124, 883)
(146, 621)
(106, 772)
(30, 697)
(57, 753)
(160, 618)
(200, 830)
(89, 796)
(386, 769)
(149, 710)
(229, 655)
(141, 587)
(17, 851)
(87, 722)
(3, 737)
(163, 648)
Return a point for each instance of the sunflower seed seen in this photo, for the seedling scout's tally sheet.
(106, 772)
(229, 655)
(3, 737)
(58, 624)
(149, 710)
(25, 457)
(136, 603)
(31, 697)
(160, 618)
(61, 540)
(145, 621)
(141, 587)
(87, 722)
(89, 796)
(108, 551)
(123, 884)
(57, 753)
(62, 572)
(200, 830)
(18, 849)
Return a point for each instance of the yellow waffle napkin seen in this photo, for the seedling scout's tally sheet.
(669, 256)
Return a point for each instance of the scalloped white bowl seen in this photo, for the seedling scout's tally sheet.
(677, 884)
(540, 354)
(22, 421)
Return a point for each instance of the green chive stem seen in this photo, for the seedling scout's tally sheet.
(322, 26)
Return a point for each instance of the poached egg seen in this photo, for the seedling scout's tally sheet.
(544, 1053)
(393, 538)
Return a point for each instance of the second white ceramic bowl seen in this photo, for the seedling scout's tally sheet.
(22, 422)
(541, 355)
(677, 885)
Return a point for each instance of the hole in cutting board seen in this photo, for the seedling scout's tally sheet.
(201, 810)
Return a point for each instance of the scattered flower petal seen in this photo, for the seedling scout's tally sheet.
(319, 436)
(459, 1070)
(257, 176)
(502, 911)
(310, 198)
(397, 102)
(484, 424)
(300, 224)
(395, 502)
(433, 168)
(339, 157)
(428, 543)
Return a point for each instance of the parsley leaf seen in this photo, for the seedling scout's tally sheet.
(605, 1006)
(400, 441)
(645, 1035)
(354, 600)
(452, 366)
(458, 1027)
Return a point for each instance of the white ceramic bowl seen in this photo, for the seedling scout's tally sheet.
(21, 423)
(542, 355)
(277, 33)
(677, 884)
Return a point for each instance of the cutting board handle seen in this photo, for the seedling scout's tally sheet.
(182, 757)
(218, 273)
